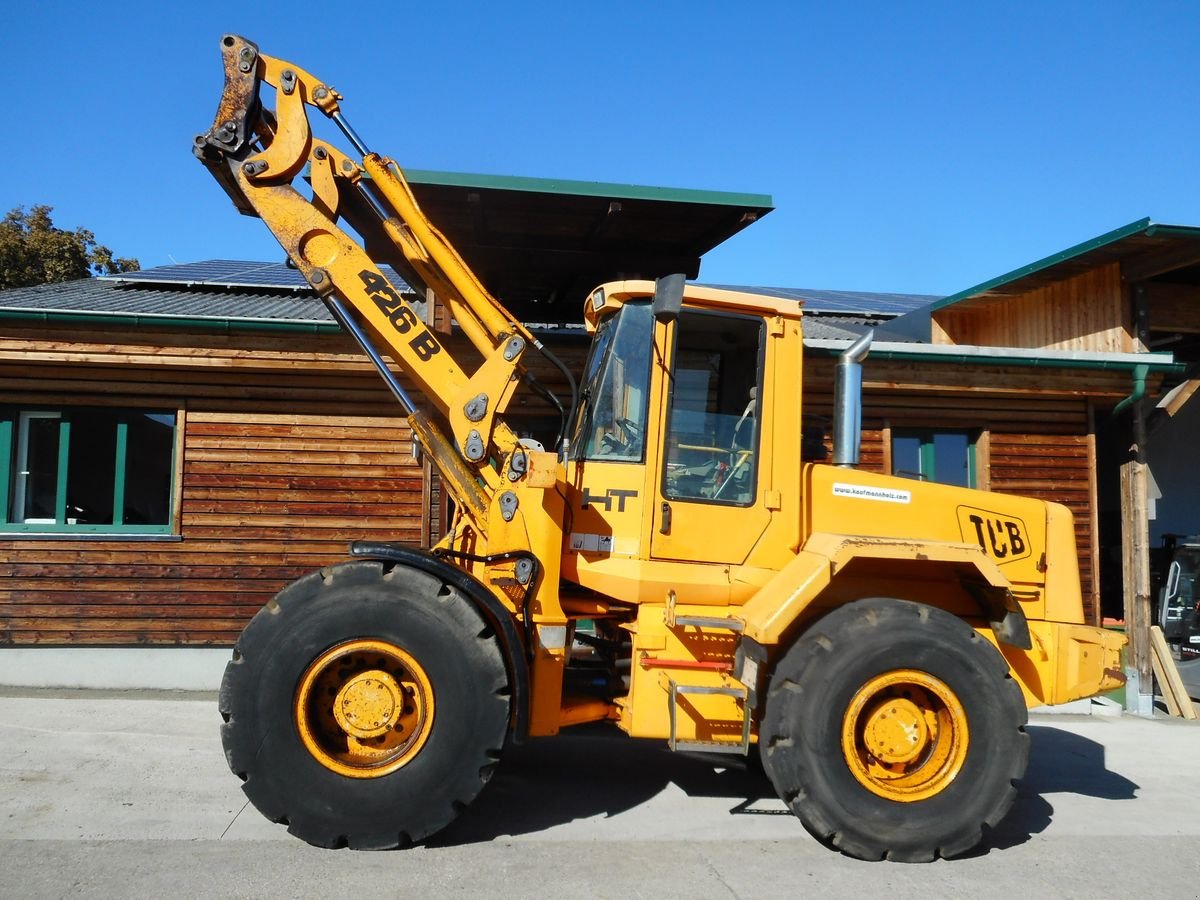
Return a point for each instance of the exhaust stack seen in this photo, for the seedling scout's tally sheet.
(847, 402)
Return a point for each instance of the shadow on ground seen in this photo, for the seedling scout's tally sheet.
(595, 771)
(1059, 763)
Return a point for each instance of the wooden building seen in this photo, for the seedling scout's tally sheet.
(178, 444)
(1135, 289)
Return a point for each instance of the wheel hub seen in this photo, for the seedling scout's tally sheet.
(364, 708)
(369, 704)
(905, 735)
(895, 732)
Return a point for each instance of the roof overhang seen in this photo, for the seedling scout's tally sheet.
(1143, 248)
(541, 245)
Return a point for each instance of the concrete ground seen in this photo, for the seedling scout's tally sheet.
(1189, 671)
(128, 795)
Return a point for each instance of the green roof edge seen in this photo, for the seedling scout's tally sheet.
(587, 188)
(141, 319)
(1115, 235)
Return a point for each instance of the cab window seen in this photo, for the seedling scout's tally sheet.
(713, 411)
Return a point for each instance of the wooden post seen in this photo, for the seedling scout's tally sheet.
(427, 525)
(1094, 515)
(1135, 558)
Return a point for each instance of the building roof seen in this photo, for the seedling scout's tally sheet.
(1144, 249)
(220, 294)
(224, 293)
(239, 295)
(541, 245)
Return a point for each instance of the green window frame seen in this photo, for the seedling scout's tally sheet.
(99, 453)
(944, 456)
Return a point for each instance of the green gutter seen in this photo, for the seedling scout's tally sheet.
(1095, 243)
(1029, 362)
(585, 188)
(1139, 389)
(145, 320)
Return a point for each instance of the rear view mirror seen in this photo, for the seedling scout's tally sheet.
(668, 297)
(1173, 579)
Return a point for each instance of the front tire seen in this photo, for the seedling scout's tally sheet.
(364, 706)
(892, 729)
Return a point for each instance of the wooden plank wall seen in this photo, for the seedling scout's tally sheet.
(1086, 312)
(291, 449)
(265, 498)
(1057, 466)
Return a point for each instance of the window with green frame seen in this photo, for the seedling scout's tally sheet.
(86, 470)
(947, 457)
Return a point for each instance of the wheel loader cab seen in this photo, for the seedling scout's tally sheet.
(671, 475)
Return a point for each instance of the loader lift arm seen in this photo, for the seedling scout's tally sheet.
(256, 153)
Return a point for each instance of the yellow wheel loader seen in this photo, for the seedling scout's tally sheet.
(877, 640)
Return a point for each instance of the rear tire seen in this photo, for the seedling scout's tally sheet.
(892, 729)
(364, 707)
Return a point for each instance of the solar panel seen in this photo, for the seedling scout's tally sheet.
(853, 302)
(233, 273)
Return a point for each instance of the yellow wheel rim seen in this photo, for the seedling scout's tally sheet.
(904, 736)
(364, 708)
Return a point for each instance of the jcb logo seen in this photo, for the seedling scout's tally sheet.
(1004, 538)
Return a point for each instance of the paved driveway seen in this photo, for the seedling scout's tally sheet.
(1189, 670)
(118, 796)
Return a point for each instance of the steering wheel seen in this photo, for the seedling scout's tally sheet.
(634, 429)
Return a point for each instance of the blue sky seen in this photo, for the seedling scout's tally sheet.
(908, 147)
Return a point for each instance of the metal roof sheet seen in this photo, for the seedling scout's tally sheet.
(249, 291)
(585, 188)
(845, 302)
(835, 328)
(233, 273)
(209, 293)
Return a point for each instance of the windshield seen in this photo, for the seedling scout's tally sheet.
(611, 424)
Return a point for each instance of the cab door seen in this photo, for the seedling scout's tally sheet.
(1177, 598)
(710, 499)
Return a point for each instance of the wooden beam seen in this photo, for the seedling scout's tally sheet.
(1173, 402)
(1135, 556)
(1094, 516)
(1173, 689)
(426, 503)
(983, 460)
(1178, 255)
(1173, 308)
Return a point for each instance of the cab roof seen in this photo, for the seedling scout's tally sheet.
(616, 293)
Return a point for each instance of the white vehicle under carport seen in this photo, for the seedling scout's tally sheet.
(1177, 602)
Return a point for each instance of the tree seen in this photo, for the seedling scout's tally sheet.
(33, 251)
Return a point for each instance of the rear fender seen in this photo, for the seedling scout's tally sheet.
(771, 612)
